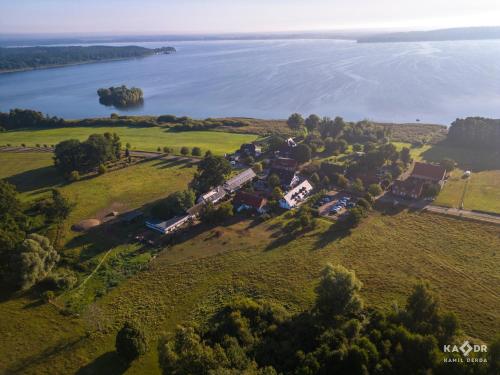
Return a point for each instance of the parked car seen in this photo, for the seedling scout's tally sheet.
(351, 205)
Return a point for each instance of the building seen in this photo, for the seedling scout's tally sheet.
(169, 226)
(288, 179)
(297, 195)
(214, 195)
(286, 149)
(429, 173)
(238, 181)
(409, 188)
(249, 201)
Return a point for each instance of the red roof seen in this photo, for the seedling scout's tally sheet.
(249, 199)
(428, 171)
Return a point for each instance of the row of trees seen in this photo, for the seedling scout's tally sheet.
(338, 335)
(73, 155)
(25, 118)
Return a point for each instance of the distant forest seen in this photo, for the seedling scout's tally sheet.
(25, 58)
(475, 132)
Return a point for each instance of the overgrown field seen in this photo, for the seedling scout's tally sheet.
(208, 267)
(140, 138)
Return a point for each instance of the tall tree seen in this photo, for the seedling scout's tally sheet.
(212, 172)
(295, 121)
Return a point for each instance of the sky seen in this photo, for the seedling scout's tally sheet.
(218, 16)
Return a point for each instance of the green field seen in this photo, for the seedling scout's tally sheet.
(140, 138)
(209, 267)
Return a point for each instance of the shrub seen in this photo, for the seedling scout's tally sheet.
(131, 342)
(184, 150)
(102, 169)
(48, 296)
(74, 176)
(196, 151)
(375, 190)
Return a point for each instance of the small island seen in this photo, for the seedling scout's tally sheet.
(121, 96)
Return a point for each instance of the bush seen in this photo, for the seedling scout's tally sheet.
(375, 190)
(184, 150)
(196, 151)
(48, 296)
(102, 169)
(74, 176)
(131, 342)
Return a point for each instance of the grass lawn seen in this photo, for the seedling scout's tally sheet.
(483, 192)
(140, 138)
(206, 268)
(453, 191)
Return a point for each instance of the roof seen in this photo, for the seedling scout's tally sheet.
(238, 181)
(169, 225)
(253, 200)
(428, 171)
(410, 186)
(298, 193)
(213, 195)
(285, 163)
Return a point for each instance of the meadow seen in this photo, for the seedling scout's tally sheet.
(209, 266)
(140, 138)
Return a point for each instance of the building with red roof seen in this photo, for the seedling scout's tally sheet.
(249, 201)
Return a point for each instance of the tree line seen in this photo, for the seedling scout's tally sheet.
(475, 132)
(39, 57)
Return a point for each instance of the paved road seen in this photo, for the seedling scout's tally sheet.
(425, 206)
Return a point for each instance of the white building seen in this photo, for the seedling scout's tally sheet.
(168, 226)
(214, 195)
(238, 181)
(297, 195)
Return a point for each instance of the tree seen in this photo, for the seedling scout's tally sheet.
(357, 186)
(257, 168)
(302, 153)
(167, 150)
(357, 147)
(184, 150)
(338, 292)
(405, 155)
(342, 181)
(273, 181)
(295, 121)
(196, 151)
(312, 122)
(102, 169)
(175, 204)
(375, 190)
(59, 208)
(314, 179)
(212, 171)
(131, 342)
(211, 214)
(74, 176)
(36, 259)
(277, 193)
(448, 164)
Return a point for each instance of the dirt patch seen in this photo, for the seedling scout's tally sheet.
(110, 212)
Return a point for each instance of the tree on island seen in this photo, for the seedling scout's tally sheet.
(121, 96)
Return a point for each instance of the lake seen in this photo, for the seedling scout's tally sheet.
(435, 82)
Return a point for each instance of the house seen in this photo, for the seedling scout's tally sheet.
(238, 181)
(429, 173)
(214, 195)
(249, 201)
(169, 226)
(250, 149)
(296, 195)
(409, 188)
(287, 147)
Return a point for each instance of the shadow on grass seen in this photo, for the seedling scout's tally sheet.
(474, 159)
(41, 178)
(66, 345)
(173, 162)
(331, 235)
(109, 363)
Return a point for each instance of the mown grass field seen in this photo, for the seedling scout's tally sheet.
(207, 268)
(140, 138)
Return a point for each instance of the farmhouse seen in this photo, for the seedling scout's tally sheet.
(296, 195)
(429, 172)
(409, 188)
(249, 201)
(238, 181)
(169, 226)
(213, 196)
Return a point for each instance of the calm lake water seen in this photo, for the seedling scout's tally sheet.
(432, 81)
